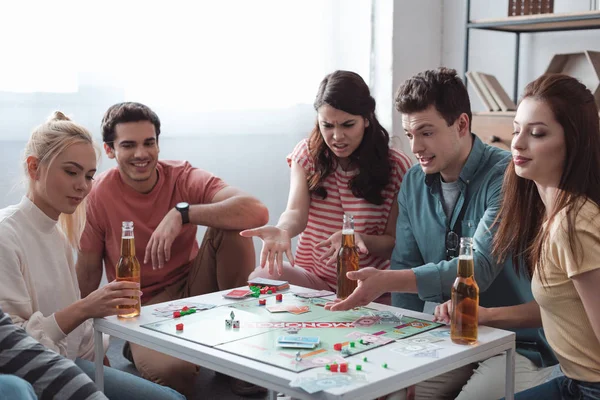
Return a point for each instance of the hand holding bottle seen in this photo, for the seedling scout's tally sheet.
(104, 301)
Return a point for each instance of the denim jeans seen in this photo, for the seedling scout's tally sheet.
(14, 388)
(562, 388)
(122, 385)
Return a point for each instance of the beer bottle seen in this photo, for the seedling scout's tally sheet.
(465, 297)
(347, 259)
(128, 267)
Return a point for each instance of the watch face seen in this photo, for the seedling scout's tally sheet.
(182, 205)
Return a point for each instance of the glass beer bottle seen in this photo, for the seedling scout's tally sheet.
(465, 297)
(347, 259)
(128, 267)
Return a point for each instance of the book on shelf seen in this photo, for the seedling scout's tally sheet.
(482, 91)
(498, 93)
(530, 7)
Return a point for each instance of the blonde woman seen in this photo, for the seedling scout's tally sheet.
(39, 288)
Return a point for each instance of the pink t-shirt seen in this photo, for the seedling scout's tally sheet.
(112, 201)
(325, 216)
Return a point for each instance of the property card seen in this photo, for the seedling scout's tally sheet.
(237, 294)
(316, 384)
(408, 348)
(298, 339)
(277, 308)
(387, 317)
(441, 333)
(297, 345)
(309, 295)
(366, 321)
(297, 309)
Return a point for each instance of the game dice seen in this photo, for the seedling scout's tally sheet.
(228, 323)
(236, 324)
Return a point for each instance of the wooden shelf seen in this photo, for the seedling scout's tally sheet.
(494, 127)
(540, 22)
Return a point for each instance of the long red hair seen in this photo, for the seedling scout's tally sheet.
(522, 213)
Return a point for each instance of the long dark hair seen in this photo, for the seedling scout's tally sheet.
(348, 92)
(522, 213)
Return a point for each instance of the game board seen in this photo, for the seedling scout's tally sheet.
(259, 329)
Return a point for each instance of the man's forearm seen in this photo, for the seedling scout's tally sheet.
(235, 213)
(514, 317)
(404, 281)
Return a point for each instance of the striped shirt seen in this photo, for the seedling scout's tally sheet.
(325, 216)
(51, 375)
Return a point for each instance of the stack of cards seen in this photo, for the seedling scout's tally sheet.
(318, 293)
(262, 282)
(238, 294)
(299, 342)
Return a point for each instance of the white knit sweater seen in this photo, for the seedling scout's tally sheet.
(37, 278)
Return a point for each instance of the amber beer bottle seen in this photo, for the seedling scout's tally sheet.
(465, 297)
(347, 259)
(128, 267)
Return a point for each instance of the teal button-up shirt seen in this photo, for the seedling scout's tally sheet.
(421, 231)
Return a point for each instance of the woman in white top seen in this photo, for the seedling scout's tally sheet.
(39, 288)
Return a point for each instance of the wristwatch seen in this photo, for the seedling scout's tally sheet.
(184, 210)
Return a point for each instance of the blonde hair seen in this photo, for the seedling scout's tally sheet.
(47, 141)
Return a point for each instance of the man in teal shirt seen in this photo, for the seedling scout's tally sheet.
(454, 191)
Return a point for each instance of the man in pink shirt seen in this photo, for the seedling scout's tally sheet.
(166, 200)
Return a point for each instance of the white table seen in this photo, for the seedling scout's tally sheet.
(402, 371)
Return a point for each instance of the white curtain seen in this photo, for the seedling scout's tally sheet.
(221, 66)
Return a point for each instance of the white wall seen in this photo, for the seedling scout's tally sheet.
(493, 52)
(407, 40)
(417, 44)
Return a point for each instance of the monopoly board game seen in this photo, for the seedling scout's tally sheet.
(356, 330)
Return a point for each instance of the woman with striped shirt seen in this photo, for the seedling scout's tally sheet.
(345, 167)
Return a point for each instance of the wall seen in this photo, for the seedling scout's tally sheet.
(407, 40)
(417, 44)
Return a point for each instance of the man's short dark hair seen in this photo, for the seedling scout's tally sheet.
(441, 88)
(126, 112)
